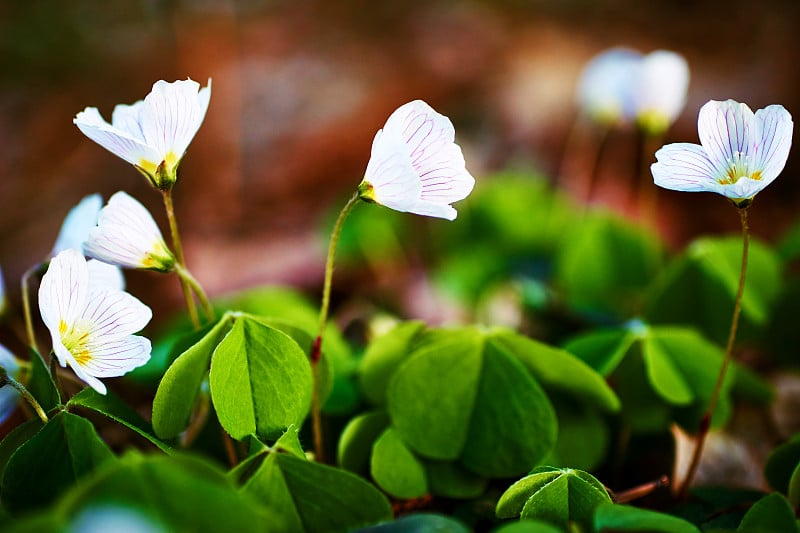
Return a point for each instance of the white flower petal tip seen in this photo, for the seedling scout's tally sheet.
(605, 91)
(416, 166)
(77, 224)
(660, 93)
(739, 154)
(127, 236)
(91, 325)
(154, 133)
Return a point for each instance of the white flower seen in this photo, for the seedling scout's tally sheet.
(416, 166)
(101, 273)
(660, 92)
(154, 133)
(75, 228)
(126, 235)
(740, 153)
(91, 326)
(606, 87)
(9, 397)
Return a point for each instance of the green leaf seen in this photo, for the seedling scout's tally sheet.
(355, 442)
(558, 370)
(383, 356)
(419, 523)
(781, 463)
(16, 438)
(527, 526)
(554, 495)
(462, 395)
(114, 408)
(175, 493)
(793, 492)
(309, 497)
(770, 513)
(451, 480)
(611, 517)
(583, 437)
(260, 381)
(178, 390)
(41, 383)
(602, 349)
(66, 449)
(395, 468)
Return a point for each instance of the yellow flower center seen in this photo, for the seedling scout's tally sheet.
(76, 340)
(739, 167)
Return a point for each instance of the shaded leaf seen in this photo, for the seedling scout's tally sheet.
(612, 517)
(383, 356)
(355, 443)
(395, 469)
(770, 513)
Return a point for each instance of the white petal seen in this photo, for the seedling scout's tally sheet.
(395, 183)
(773, 139)
(105, 275)
(433, 209)
(662, 84)
(424, 131)
(77, 224)
(118, 357)
(172, 114)
(112, 314)
(605, 89)
(9, 397)
(127, 118)
(85, 375)
(63, 291)
(116, 141)
(684, 167)
(726, 132)
(446, 180)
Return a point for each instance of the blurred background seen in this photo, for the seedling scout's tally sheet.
(300, 88)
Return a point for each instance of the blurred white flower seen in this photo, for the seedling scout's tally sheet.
(152, 134)
(739, 154)
(606, 87)
(91, 326)
(660, 93)
(126, 235)
(9, 397)
(75, 228)
(416, 166)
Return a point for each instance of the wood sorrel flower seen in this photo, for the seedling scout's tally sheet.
(416, 166)
(606, 87)
(660, 93)
(154, 133)
(126, 235)
(91, 326)
(739, 154)
(77, 224)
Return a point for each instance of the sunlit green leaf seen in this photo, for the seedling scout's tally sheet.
(395, 468)
(355, 442)
(260, 381)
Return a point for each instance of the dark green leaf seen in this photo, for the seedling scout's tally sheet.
(260, 381)
(41, 383)
(583, 437)
(66, 449)
(528, 526)
(602, 349)
(114, 408)
(419, 523)
(451, 480)
(781, 463)
(178, 390)
(770, 513)
(395, 468)
(16, 438)
(309, 497)
(355, 443)
(611, 517)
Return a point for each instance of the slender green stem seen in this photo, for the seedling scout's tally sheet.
(8, 380)
(186, 276)
(705, 423)
(26, 307)
(316, 349)
(176, 244)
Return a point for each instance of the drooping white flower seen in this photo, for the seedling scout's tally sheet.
(660, 91)
(75, 228)
(739, 154)
(126, 235)
(9, 397)
(606, 87)
(416, 166)
(154, 133)
(91, 326)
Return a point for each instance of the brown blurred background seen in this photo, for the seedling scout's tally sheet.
(300, 87)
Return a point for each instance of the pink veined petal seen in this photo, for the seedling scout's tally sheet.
(112, 139)
(64, 289)
(77, 224)
(124, 210)
(433, 209)
(725, 130)
(126, 118)
(112, 314)
(425, 132)
(84, 374)
(773, 139)
(118, 357)
(394, 182)
(172, 114)
(684, 167)
(447, 179)
(116, 245)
